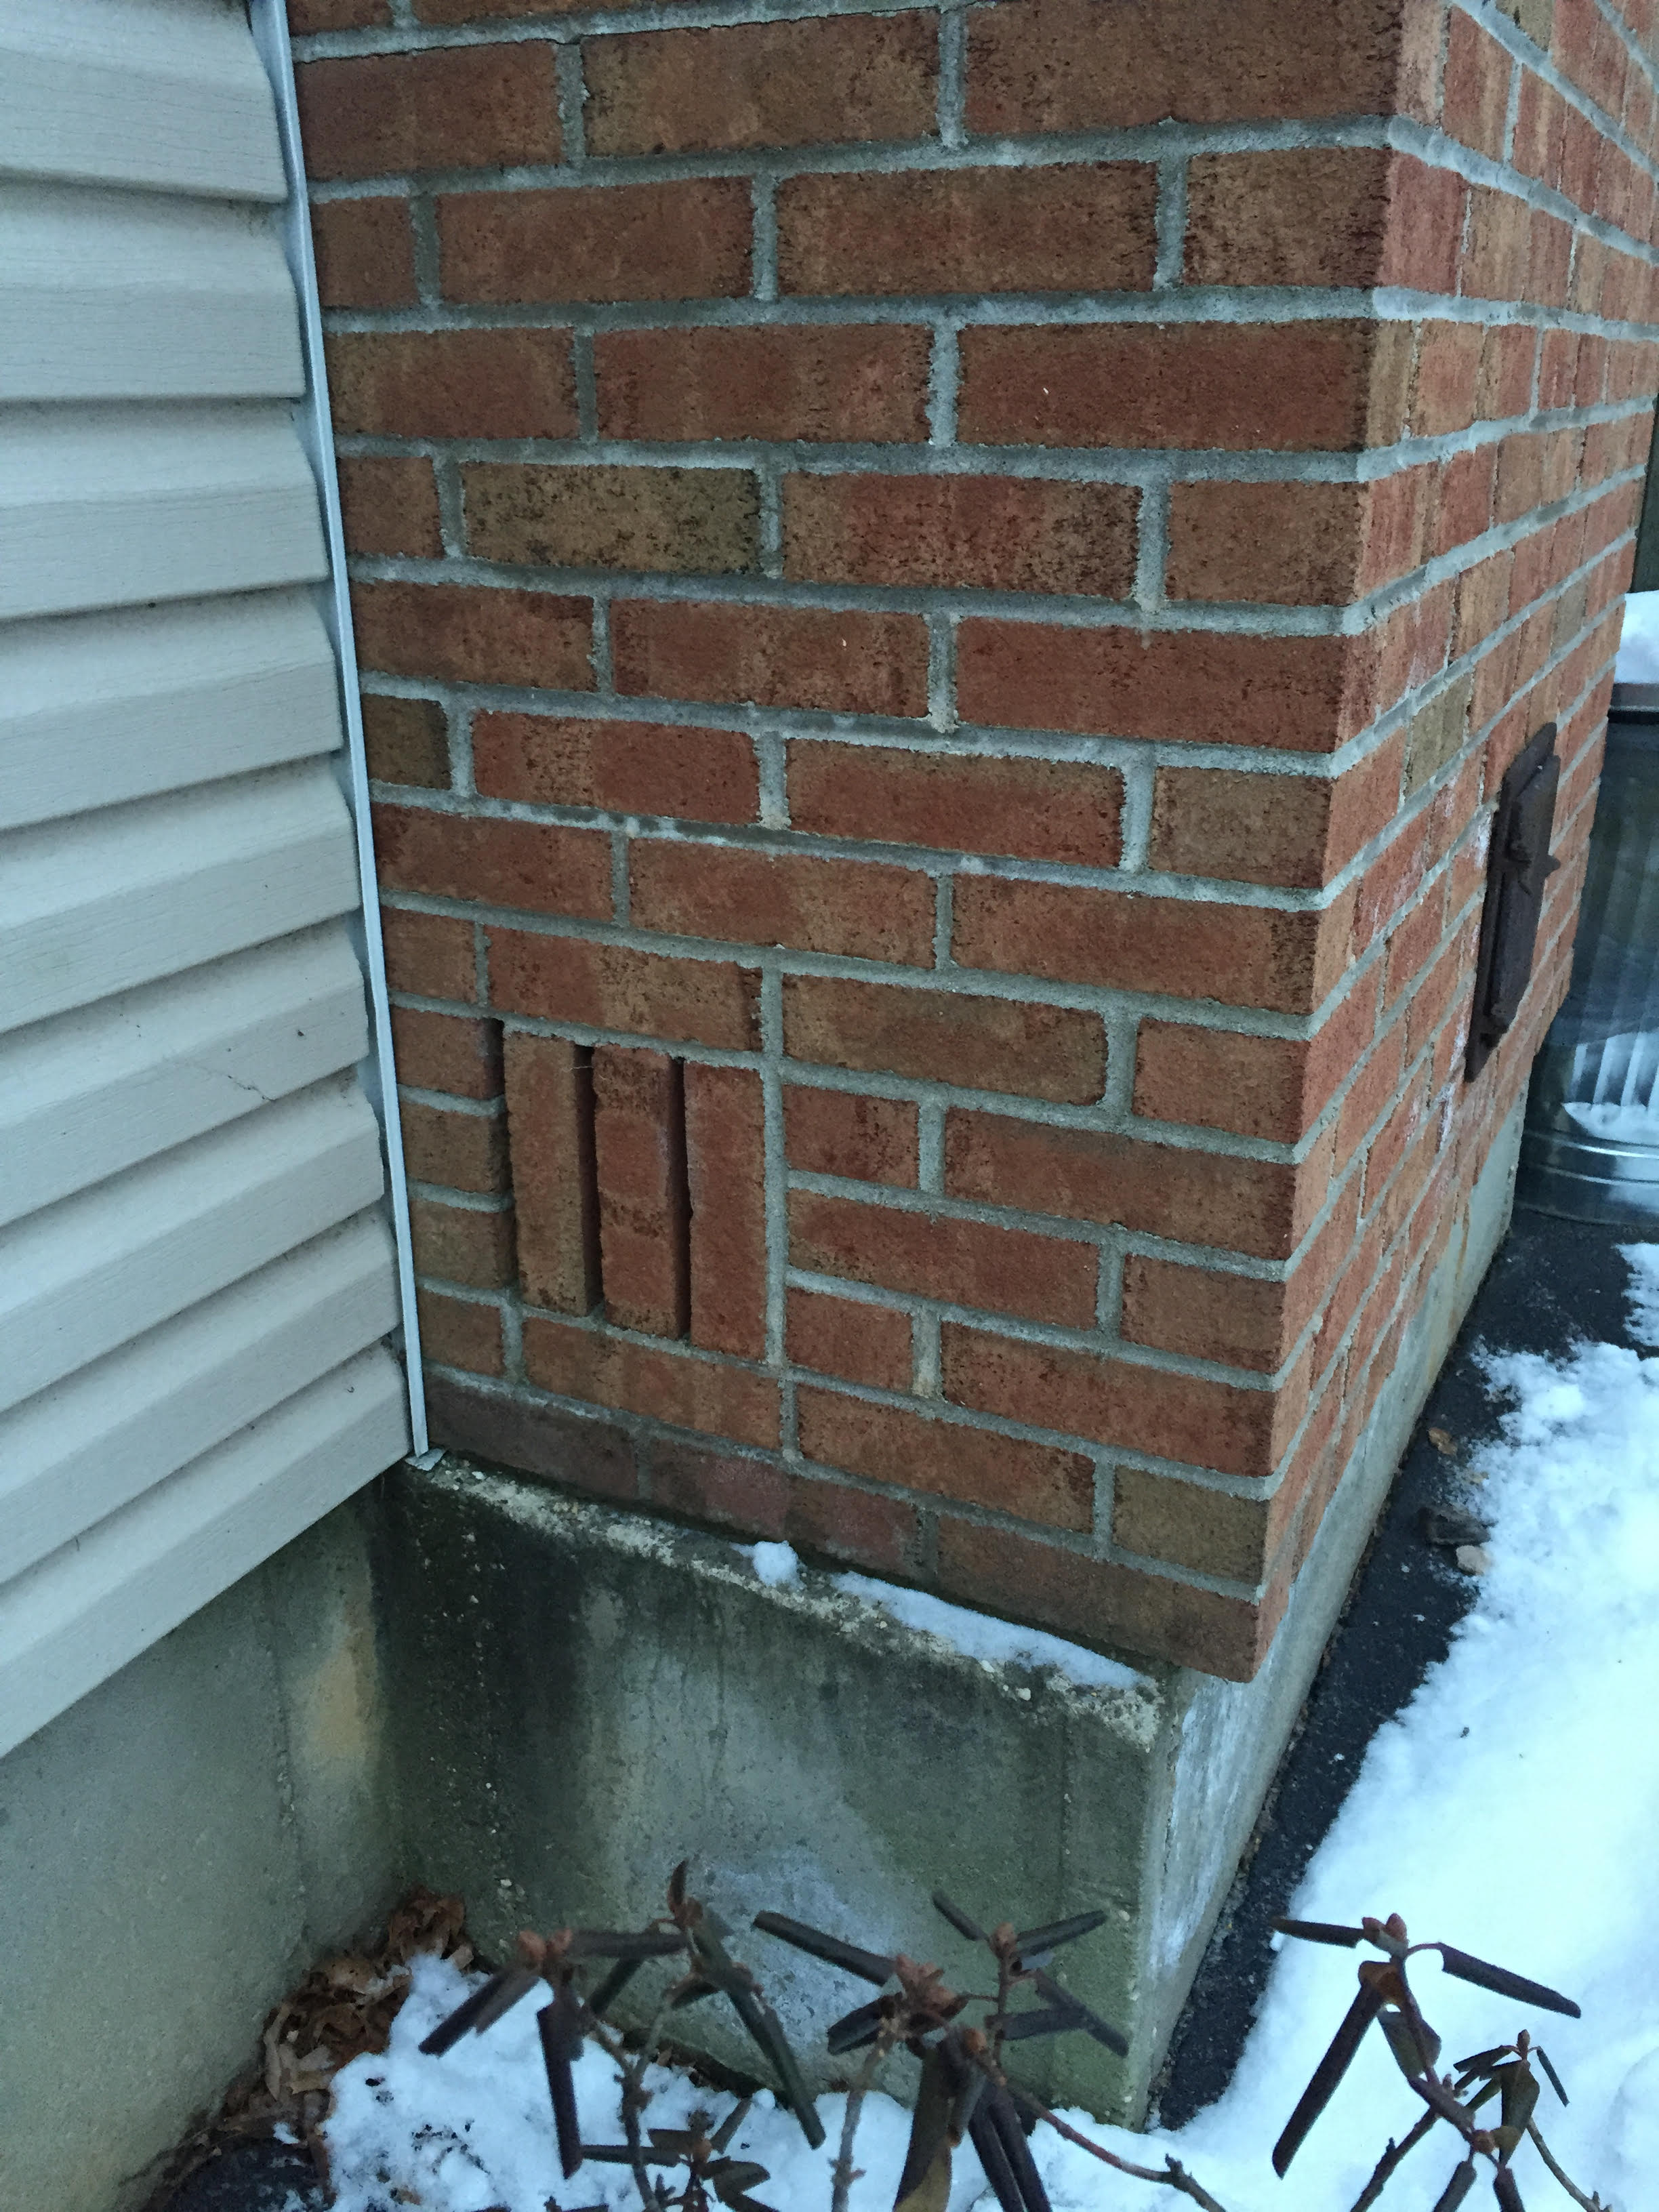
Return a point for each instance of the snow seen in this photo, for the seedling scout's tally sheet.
(993, 1642)
(1638, 646)
(775, 1564)
(1510, 1808)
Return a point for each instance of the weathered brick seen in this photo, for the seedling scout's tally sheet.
(685, 240)
(861, 910)
(306, 16)
(465, 1151)
(461, 1244)
(945, 1036)
(1214, 1532)
(471, 635)
(963, 1263)
(860, 1342)
(721, 1489)
(391, 507)
(536, 865)
(1245, 956)
(1241, 1321)
(639, 1134)
(1475, 95)
(1233, 385)
(459, 1333)
(365, 252)
(1323, 544)
(833, 1521)
(451, 384)
(946, 1459)
(626, 768)
(1039, 809)
(679, 1388)
(611, 987)
(1263, 1207)
(1444, 395)
(537, 1438)
(1294, 829)
(429, 953)
(853, 663)
(843, 381)
(823, 78)
(996, 533)
(1324, 215)
(1064, 66)
(1120, 1403)
(446, 1052)
(1306, 693)
(726, 1161)
(840, 1133)
(1260, 1086)
(406, 741)
(1084, 228)
(702, 520)
(549, 1116)
(448, 108)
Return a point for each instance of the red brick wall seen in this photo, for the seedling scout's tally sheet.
(942, 595)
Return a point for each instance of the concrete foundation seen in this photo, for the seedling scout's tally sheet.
(544, 1703)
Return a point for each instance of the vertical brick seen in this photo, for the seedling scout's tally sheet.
(639, 1141)
(549, 1113)
(725, 1160)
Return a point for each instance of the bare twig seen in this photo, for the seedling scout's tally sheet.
(634, 2098)
(845, 2172)
(1590, 2204)
(1174, 2176)
(1390, 2160)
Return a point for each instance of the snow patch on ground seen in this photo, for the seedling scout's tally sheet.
(1510, 1808)
(1638, 643)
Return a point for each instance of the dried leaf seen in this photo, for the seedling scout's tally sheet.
(1329, 2072)
(869, 1966)
(1443, 1443)
(925, 2183)
(1504, 1983)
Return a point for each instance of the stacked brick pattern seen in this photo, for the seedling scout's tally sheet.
(943, 594)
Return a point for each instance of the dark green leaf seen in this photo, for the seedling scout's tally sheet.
(854, 2029)
(612, 1987)
(1022, 2026)
(559, 2025)
(733, 2178)
(693, 1993)
(1520, 2097)
(1507, 2190)
(484, 2007)
(870, 1965)
(1004, 2118)
(999, 2173)
(736, 1983)
(1502, 1982)
(1329, 2072)
(1321, 1931)
(1403, 2044)
(729, 2126)
(1088, 2020)
(1037, 1941)
(1457, 2188)
(1482, 2062)
(958, 1918)
(1555, 2079)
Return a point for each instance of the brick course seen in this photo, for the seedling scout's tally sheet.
(936, 679)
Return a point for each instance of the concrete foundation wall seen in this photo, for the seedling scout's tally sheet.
(175, 1851)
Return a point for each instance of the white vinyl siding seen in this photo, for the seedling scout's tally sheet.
(199, 1268)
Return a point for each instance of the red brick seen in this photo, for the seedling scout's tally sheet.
(1474, 105)
(532, 865)
(453, 384)
(831, 1520)
(995, 533)
(1494, 263)
(1235, 386)
(945, 1036)
(459, 1333)
(465, 1151)
(853, 663)
(625, 767)
(860, 911)
(446, 1052)
(1207, 687)
(1095, 1601)
(550, 1111)
(839, 1132)
(431, 954)
(1294, 829)
(526, 514)
(639, 1127)
(461, 1244)
(1263, 1207)
(1540, 118)
(611, 987)
(817, 79)
(1413, 943)
(725, 1160)
(845, 381)
(1212, 1532)
(471, 634)
(1245, 956)
(1064, 66)
(962, 1263)
(673, 1386)
(304, 16)
(864, 1343)
(1260, 1086)
(365, 252)
(947, 1459)
(1036, 810)
(1369, 1093)
(1326, 215)
(1286, 544)
(449, 107)
(406, 741)
(1119, 1402)
(390, 506)
(1463, 503)
(1448, 356)
(724, 1488)
(1063, 228)
(515, 1430)
(684, 240)
(1506, 365)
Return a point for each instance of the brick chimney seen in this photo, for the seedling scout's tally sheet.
(943, 595)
